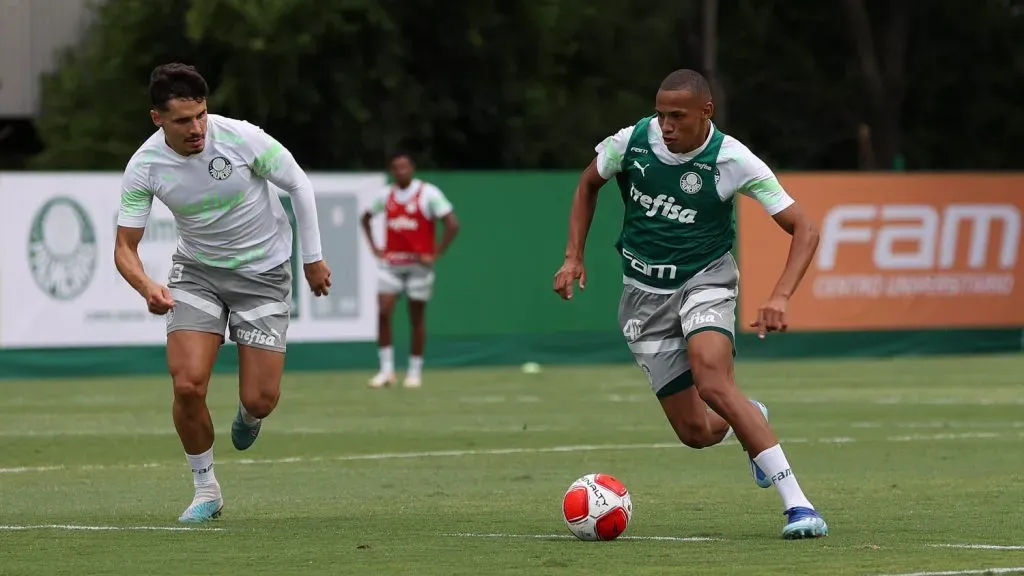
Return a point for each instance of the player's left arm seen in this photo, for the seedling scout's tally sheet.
(273, 162)
(441, 209)
(762, 185)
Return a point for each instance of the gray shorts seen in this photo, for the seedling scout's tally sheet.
(254, 307)
(416, 281)
(657, 326)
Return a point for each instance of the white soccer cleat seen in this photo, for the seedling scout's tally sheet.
(412, 381)
(203, 509)
(383, 379)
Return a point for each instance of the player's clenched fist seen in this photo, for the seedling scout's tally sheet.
(571, 271)
(158, 299)
(771, 317)
(318, 275)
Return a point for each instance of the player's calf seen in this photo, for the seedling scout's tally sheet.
(259, 391)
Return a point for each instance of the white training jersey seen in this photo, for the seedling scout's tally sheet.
(740, 170)
(226, 213)
(432, 202)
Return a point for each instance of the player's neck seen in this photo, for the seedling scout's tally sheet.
(185, 153)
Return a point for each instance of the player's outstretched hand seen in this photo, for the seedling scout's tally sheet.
(571, 271)
(771, 317)
(158, 299)
(318, 275)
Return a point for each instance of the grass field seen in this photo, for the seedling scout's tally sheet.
(909, 460)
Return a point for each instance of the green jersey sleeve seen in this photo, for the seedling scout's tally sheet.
(136, 197)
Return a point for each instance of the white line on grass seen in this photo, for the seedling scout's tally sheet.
(977, 546)
(571, 537)
(1016, 570)
(108, 528)
(492, 452)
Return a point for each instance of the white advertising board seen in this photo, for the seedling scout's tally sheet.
(59, 286)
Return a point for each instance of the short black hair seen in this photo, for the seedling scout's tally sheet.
(176, 80)
(399, 154)
(689, 80)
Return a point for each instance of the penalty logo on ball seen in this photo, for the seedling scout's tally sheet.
(597, 507)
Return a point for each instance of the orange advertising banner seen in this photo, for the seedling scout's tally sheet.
(896, 252)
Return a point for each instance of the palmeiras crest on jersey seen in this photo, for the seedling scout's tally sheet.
(62, 248)
(220, 168)
(690, 183)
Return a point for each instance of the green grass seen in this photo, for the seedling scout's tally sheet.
(899, 455)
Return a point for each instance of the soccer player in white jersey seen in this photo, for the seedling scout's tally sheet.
(410, 207)
(232, 269)
(678, 175)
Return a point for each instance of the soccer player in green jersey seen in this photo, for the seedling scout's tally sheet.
(678, 176)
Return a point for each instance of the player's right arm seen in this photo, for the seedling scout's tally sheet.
(584, 202)
(136, 202)
(376, 208)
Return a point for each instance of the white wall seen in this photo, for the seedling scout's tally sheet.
(32, 34)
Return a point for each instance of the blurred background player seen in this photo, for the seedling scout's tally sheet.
(232, 268)
(411, 208)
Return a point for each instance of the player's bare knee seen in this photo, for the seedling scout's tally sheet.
(693, 435)
(189, 388)
(261, 402)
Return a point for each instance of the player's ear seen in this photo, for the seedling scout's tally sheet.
(709, 110)
(155, 116)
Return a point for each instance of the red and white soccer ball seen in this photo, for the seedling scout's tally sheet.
(597, 507)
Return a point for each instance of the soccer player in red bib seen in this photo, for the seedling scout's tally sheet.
(412, 208)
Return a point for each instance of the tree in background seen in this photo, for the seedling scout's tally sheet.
(487, 84)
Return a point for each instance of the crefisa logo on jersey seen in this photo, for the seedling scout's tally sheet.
(220, 168)
(62, 248)
(690, 183)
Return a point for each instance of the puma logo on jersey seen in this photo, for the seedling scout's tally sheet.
(662, 205)
(642, 169)
(402, 223)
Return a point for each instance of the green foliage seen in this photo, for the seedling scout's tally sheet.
(497, 84)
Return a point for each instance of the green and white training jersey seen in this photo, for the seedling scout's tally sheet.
(226, 213)
(678, 208)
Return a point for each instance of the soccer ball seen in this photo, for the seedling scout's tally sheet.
(597, 507)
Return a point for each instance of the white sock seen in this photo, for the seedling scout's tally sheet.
(387, 359)
(249, 419)
(415, 365)
(202, 473)
(773, 463)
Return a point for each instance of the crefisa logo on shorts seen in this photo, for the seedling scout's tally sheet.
(62, 248)
(255, 336)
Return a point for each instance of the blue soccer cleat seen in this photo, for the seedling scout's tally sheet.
(242, 434)
(762, 479)
(803, 523)
(202, 511)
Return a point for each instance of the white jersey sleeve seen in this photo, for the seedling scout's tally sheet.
(270, 160)
(379, 204)
(136, 196)
(436, 204)
(611, 151)
(742, 171)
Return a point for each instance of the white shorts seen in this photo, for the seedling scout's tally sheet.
(415, 280)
